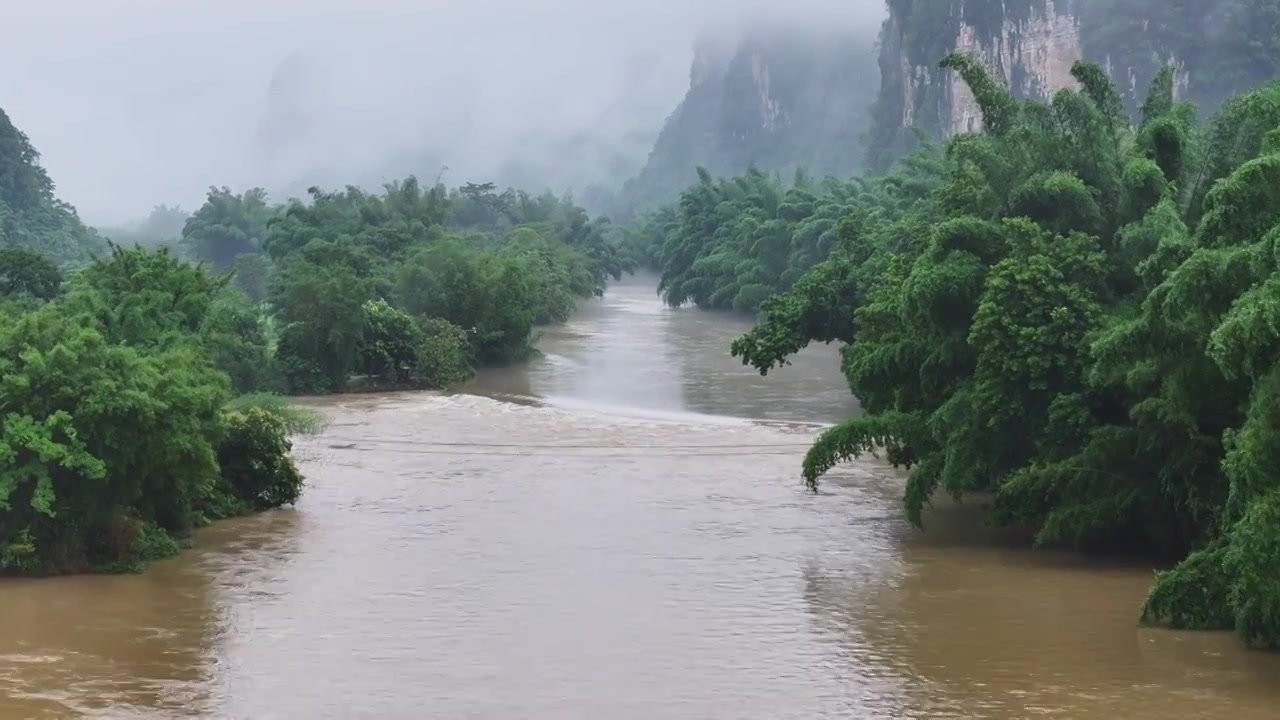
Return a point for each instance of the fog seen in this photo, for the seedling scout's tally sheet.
(133, 103)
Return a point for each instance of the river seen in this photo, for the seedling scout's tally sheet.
(614, 530)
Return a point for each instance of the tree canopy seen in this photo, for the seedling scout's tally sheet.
(113, 421)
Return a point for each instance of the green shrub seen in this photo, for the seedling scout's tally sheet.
(441, 358)
(255, 461)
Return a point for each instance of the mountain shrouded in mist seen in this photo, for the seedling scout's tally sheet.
(779, 98)
(1217, 48)
(31, 216)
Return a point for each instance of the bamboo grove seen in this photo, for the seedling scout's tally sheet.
(1073, 315)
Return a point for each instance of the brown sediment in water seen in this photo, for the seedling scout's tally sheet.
(457, 556)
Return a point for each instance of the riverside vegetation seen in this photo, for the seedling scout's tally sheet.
(1073, 314)
(1069, 312)
(140, 386)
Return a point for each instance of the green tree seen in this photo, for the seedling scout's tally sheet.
(102, 443)
(228, 226)
(732, 243)
(23, 272)
(254, 460)
(319, 296)
(364, 283)
(145, 297)
(115, 441)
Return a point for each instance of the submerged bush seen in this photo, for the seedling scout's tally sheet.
(254, 460)
(297, 420)
(441, 357)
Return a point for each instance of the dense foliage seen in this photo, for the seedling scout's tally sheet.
(27, 273)
(1079, 316)
(228, 226)
(414, 287)
(115, 443)
(732, 243)
(116, 366)
(410, 287)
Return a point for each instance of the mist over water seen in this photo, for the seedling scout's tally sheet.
(135, 103)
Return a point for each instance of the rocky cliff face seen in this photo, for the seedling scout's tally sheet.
(777, 99)
(787, 97)
(1033, 53)
(1218, 48)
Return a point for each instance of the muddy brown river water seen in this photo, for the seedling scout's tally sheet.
(606, 533)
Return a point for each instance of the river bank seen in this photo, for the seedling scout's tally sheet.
(465, 556)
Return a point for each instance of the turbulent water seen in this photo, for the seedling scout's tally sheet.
(607, 533)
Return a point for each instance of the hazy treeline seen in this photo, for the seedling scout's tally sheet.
(1069, 310)
(408, 287)
(731, 243)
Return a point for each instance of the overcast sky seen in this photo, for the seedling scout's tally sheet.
(133, 103)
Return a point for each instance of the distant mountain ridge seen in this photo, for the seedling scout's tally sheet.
(31, 216)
